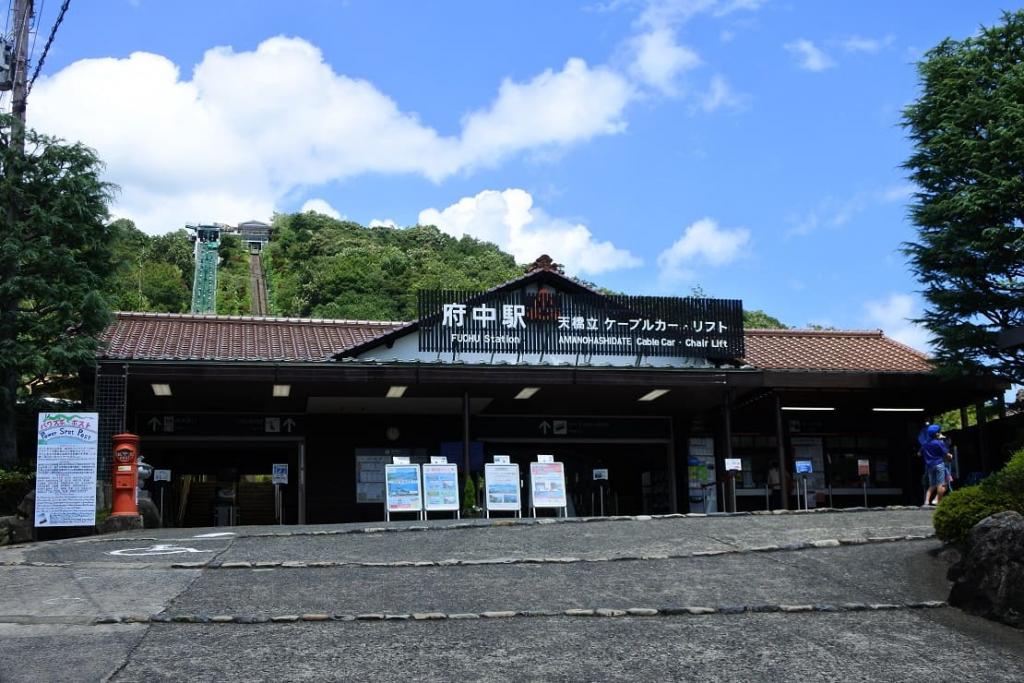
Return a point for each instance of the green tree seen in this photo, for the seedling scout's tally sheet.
(233, 296)
(325, 268)
(54, 254)
(148, 273)
(758, 319)
(967, 127)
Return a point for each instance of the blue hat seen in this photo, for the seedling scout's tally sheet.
(933, 430)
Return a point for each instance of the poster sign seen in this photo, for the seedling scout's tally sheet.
(279, 473)
(547, 485)
(440, 487)
(733, 464)
(501, 487)
(400, 460)
(402, 488)
(66, 469)
(545, 458)
(161, 475)
(804, 467)
(502, 459)
(601, 474)
(863, 468)
(438, 460)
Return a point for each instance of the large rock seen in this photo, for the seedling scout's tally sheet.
(27, 506)
(989, 579)
(150, 513)
(114, 524)
(15, 529)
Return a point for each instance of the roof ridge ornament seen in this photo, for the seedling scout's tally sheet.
(545, 262)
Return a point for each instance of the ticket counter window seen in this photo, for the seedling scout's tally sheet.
(846, 452)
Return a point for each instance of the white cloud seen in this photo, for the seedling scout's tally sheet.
(321, 206)
(867, 45)
(702, 243)
(510, 220)
(720, 94)
(658, 13)
(831, 212)
(658, 59)
(207, 148)
(385, 223)
(893, 315)
(554, 109)
(810, 55)
(898, 193)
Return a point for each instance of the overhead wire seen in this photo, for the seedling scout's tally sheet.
(34, 28)
(49, 42)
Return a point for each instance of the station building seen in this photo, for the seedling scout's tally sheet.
(662, 393)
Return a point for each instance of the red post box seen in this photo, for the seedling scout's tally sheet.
(126, 475)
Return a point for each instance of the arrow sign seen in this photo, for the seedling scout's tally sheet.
(155, 424)
(545, 426)
(289, 425)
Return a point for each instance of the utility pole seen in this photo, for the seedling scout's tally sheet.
(23, 10)
(12, 156)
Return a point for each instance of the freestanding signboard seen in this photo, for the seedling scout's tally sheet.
(66, 469)
(279, 473)
(501, 488)
(402, 489)
(441, 487)
(804, 467)
(547, 485)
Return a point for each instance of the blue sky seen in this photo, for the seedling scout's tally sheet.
(750, 147)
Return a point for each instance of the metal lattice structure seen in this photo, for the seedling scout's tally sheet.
(207, 258)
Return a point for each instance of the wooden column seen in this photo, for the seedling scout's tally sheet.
(780, 437)
(465, 433)
(727, 450)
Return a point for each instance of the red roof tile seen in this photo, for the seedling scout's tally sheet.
(831, 350)
(171, 336)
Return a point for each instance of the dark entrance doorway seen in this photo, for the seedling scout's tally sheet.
(227, 484)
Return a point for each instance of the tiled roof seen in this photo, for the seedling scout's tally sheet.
(170, 336)
(173, 336)
(831, 350)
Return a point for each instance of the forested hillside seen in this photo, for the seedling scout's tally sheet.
(317, 267)
(320, 267)
(151, 273)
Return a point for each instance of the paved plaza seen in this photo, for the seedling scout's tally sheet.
(818, 596)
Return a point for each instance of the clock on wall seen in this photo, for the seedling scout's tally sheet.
(392, 433)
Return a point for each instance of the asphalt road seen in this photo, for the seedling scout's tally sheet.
(818, 596)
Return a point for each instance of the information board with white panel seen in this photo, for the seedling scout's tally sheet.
(547, 485)
(501, 487)
(402, 488)
(440, 487)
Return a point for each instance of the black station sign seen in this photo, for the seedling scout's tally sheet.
(569, 428)
(587, 324)
(219, 424)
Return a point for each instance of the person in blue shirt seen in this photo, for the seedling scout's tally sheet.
(934, 451)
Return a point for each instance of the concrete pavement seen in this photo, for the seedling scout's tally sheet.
(819, 595)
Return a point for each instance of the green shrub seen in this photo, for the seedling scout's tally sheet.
(469, 498)
(14, 485)
(958, 512)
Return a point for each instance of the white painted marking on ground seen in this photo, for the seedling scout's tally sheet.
(215, 535)
(158, 549)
